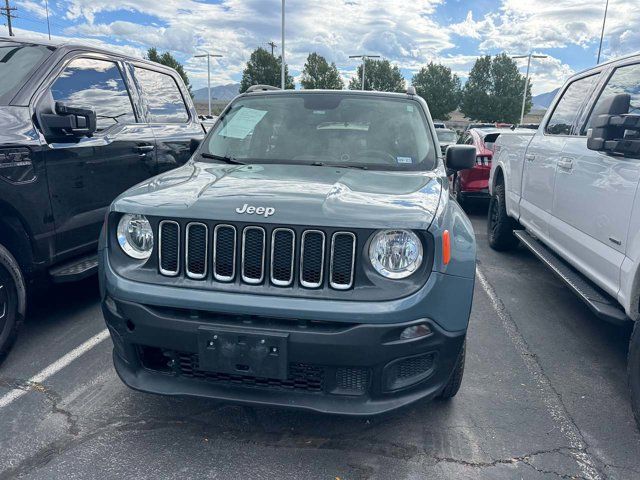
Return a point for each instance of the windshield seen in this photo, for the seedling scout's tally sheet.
(446, 136)
(325, 129)
(17, 61)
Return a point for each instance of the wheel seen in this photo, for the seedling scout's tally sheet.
(500, 226)
(12, 301)
(457, 191)
(633, 368)
(453, 385)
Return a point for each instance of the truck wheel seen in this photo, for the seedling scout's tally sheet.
(457, 192)
(633, 368)
(453, 385)
(500, 226)
(12, 301)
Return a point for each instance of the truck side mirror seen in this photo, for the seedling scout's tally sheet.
(613, 129)
(70, 121)
(460, 157)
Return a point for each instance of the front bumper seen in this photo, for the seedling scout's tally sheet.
(340, 360)
(353, 369)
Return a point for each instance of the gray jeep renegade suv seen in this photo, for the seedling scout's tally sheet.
(308, 255)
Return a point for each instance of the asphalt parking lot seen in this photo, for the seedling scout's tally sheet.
(544, 396)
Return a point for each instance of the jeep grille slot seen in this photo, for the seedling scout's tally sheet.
(283, 244)
(169, 248)
(343, 254)
(253, 242)
(196, 250)
(312, 258)
(224, 253)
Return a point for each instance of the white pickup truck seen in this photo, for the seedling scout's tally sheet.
(570, 193)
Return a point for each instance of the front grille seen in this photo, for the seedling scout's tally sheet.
(302, 376)
(283, 257)
(352, 380)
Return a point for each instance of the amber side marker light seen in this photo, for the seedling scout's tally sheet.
(446, 247)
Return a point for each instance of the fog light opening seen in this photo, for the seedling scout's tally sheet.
(415, 331)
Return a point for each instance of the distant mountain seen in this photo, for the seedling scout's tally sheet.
(540, 102)
(219, 92)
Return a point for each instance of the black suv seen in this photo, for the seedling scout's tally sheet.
(78, 126)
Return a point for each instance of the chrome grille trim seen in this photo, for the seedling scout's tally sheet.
(168, 273)
(339, 286)
(281, 283)
(224, 278)
(302, 281)
(196, 276)
(252, 281)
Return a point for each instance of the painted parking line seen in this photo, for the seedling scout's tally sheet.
(552, 400)
(54, 368)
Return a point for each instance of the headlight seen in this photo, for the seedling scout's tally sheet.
(395, 253)
(135, 236)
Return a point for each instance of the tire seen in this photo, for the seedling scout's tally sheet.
(457, 192)
(500, 225)
(453, 385)
(12, 301)
(633, 369)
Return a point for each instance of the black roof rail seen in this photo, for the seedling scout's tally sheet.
(261, 88)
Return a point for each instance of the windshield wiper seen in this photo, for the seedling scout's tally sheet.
(337, 165)
(221, 158)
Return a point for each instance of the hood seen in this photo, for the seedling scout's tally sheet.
(289, 195)
(16, 127)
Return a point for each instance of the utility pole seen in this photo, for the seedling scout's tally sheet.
(273, 45)
(526, 82)
(208, 55)
(282, 71)
(364, 62)
(7, 13)
(604, 21)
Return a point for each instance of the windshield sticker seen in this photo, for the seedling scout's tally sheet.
(409, 108)
(242, 123)
(404, 160)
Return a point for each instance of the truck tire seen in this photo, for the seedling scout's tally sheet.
(500, 225)
(453, 385)
(12, 301)
(633, 368)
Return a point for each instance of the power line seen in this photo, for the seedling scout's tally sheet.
(7, 13)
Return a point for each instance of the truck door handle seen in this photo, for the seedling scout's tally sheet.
(529, 157)
(565, 163)
(145, 148)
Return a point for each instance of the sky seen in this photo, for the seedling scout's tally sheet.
(409, 34)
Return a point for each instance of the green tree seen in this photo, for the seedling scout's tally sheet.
(440, 88)
(493, 92)
(264, 69)
(380, 76)
(318, 73)
(169, 60)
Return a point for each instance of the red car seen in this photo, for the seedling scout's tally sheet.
(474, 183)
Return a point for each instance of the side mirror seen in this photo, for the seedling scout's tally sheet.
(460, 157)
(70, 121)
(194, 143)
(613, 129)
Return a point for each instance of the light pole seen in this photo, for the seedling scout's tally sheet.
(282, 78)
(526, 82)
(364, 62)
(208, 55)
(604, 21)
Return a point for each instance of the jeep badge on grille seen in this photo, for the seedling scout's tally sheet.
(251, 210)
